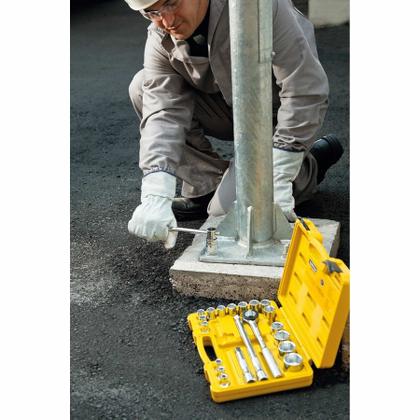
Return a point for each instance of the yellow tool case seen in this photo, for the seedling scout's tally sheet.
(306, 329)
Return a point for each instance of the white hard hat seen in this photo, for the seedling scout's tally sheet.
(140, 4)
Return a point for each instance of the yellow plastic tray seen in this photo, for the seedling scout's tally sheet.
(314, 298)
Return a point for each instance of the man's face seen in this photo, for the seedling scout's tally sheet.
(180, 20)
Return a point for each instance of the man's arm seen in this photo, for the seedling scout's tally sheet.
(302, 80)
(303, 95)
(167, 111)
(166, 117)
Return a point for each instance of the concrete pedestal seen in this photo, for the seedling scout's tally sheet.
(192, 277)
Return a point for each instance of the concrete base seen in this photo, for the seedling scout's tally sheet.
(236, 282)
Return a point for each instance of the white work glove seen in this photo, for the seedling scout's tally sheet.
(286, 167)
(153, 217)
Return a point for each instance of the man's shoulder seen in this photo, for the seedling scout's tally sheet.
(156, 40)
(156, 33)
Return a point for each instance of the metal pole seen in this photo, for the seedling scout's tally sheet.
(255, 230)
(251, 37)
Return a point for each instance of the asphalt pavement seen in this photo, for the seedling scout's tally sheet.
(132, 355)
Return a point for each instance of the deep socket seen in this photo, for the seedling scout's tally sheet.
(221, 310)
(231, 309)
(270, 312)
(211, 312)
(242, 307)
(255, 305)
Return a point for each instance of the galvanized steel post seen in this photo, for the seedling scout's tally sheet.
(255, 231)
(251, 38)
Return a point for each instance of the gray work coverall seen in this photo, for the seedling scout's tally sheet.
(181, 98)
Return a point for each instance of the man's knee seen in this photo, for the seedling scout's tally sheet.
(135, 91)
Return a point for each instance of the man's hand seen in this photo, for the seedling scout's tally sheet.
(153, 218)
(286, 167)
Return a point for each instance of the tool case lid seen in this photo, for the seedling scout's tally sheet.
(315, 294)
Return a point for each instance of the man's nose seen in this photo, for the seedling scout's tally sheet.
(168, 19)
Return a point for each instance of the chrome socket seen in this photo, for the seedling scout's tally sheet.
(255, 305)
(201, 313)
(281, 335)
(270, 312)
(264, 303)
(293, 362)
(220, 369)
(204, 326)
(276, 326)
(221, 310)
(211, 241)
(242, 307)
(286, 347)
(223, 380)
(231, 309)
(211, 312)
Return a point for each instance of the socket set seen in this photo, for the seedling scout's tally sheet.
(261, 346)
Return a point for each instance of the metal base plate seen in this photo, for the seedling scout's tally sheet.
(230, 251)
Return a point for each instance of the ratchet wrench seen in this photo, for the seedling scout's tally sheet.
(250, 317)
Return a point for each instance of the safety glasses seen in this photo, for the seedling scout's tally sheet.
(170, 6)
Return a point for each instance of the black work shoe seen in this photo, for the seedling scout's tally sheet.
(327, 151)
(191, 208)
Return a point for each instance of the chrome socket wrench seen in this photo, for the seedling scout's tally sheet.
(261, 375)
(244, 366)
(250, 317)
(211, 237)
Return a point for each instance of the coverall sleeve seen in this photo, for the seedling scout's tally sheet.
(167, 111)
(299, 75)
